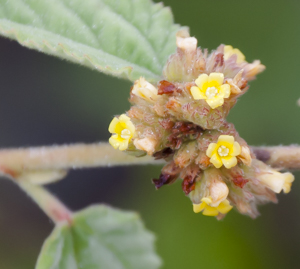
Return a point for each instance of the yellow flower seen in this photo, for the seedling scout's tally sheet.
(211, 89)
(208, 210)
(229, 51)
(224, 152)
(123, 130)
(144, 89)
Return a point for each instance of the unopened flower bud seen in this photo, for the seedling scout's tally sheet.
(237, 82)
(187, 44)
(186, 154)
(146, 144)
(144, 89)
(218, 191)
(212, 186)
(245, 156)
(276, 181)
(253, 69)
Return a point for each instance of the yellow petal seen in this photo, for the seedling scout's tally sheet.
(225, 89)
(227, 49)
(215, 102)
(197, 94)
(130, 127)
(210, 211)
(198, 207)
(224, 207)
(216, 77)
(124, 118)
(236, 149)
(240, 56)
(227, 139)
(216, 160)
(124, 145)
(289, 178)
(112, 125)
(201, 80)
(211, 148)
(229, 162)
(206, 200)
(114, 141)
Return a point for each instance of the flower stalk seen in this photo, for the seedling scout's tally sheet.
(52, 207)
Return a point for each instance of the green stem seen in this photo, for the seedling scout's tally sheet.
(55, 209)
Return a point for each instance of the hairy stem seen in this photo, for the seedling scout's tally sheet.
(77, 156)
(72, 156)
(285, 157)
(54, 209)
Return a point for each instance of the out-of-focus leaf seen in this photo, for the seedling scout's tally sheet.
(124, 38)
(100, 238)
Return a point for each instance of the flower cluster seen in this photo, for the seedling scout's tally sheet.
(182, 119)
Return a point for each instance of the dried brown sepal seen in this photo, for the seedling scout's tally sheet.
(166, 87)
(169, 174)
(188, 184)
(239, 181)
(189, 175)
(182, 131)
(163, 154)
(219, 61)
(163, 179)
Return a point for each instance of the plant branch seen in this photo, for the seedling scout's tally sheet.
(285, 157)
(55, 210)
(72, 156)
(76, 156)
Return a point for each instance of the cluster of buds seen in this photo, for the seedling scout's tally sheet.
(182, 119)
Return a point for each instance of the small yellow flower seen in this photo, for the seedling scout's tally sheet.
(211, 89)
(224, 207)
(144, 89)
(229, 51)
(224, 152)
(123, 130)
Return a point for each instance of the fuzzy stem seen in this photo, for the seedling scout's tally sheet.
(284, 157)
(77, 156)
(54, 209)
(72, 156)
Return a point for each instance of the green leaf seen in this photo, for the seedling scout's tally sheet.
(125, 38)
(100, 238)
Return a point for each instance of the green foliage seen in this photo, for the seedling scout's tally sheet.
(100, 237)
(126, 38)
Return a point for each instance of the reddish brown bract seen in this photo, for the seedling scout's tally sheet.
(165, 87)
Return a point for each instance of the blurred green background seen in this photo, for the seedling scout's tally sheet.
(47, 101)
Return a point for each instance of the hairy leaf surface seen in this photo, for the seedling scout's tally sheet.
(100, 238)
(125, 38)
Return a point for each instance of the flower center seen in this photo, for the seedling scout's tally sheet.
(223, 151)
(211, 92)
(125, 134)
